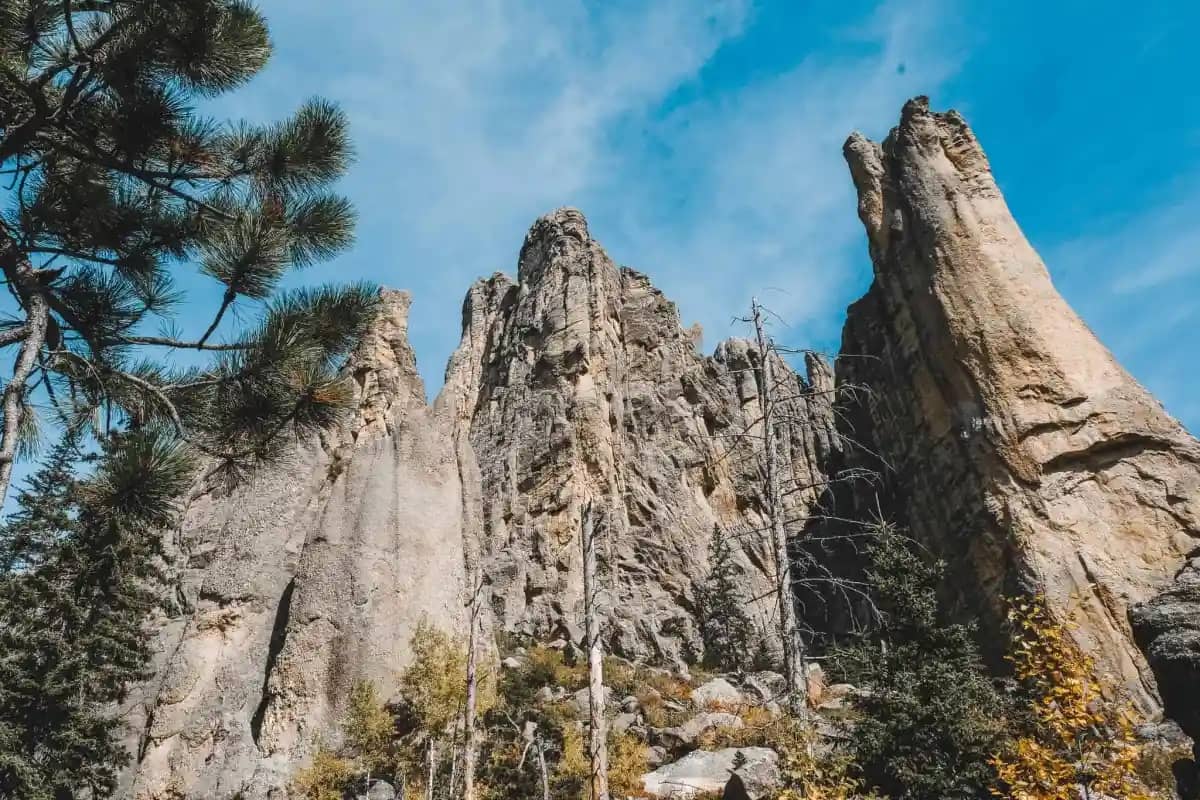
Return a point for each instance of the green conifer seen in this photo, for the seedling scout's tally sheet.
(726, 627)
(72, 638)
(932, 717)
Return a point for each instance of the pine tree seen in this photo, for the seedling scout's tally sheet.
(43, 512)
(932, 717)
(728, 633)
(117, 184)
(71, 629)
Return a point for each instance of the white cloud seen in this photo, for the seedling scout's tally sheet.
(1149, 262)
(472, 119)
(773, 211)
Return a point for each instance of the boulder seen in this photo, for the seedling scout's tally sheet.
(581, 702)
(682, 738)
(703, 772)
(767, 686)
(622, 722)
(380, 790)
(717, 694)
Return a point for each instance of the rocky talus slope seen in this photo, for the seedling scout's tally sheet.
(1014, 443)
(1006, 436)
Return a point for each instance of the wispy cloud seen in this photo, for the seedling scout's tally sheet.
(772, 209)
(1134, 280)
(472, 119)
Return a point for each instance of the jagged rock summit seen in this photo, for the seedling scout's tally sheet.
(1007, 437)
(574, 384)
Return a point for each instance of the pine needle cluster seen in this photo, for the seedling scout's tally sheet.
(118, 186)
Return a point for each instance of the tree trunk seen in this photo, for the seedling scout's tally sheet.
(541, 755)
(598, 745)
(432, 770)
(472, 744)
(36, 319)
(789, 630)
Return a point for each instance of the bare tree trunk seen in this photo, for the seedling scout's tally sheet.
(432, 769)
(598, 745)
(472, 744)
(541, 755)
(789, 630)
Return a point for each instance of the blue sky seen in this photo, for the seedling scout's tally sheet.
(703, 142)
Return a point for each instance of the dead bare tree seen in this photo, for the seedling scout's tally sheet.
(429, 793)
(789, 631)
(598, 744)
(471, 739)
(545, 773)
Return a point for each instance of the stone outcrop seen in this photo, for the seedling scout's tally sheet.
(704, 773)
(1008, 440)
(575, 383)
(310, 577)
(578, 383)
(1168, 629)
(1011, 438)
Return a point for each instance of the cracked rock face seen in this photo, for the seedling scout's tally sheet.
(579, 383)
(1010, 441)
(575, 383)
(1013, 440)
(1168, 629)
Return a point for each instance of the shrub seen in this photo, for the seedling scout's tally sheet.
(627, 757)
(435, 684)
(326, 778)
(1077, 742)
(369, 727)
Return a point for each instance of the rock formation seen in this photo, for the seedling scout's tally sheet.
(1168, 629)
(308, 578)
(1009, 439)
(578, 382)
(1013, 441)
(574, 383)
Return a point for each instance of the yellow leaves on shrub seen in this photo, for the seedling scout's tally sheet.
(1078, 737)
(573, 764)
(368, 726)
(627, 757)
(324, 779)
(807, 774)
(435, 683)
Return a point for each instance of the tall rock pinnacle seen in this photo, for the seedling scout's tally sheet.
(1014, 441)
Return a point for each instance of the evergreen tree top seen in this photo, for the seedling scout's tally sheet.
(118, 184)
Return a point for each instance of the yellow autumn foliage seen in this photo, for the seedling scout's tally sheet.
(1079, 739)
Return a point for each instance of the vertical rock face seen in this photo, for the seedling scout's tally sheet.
(574, 384)
(1013, 440)
(1009, 440)
(1168, 629)
(308, 578)
(579, 384)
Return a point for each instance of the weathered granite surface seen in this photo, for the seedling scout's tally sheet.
(1008, 439)
(575, 383)
(1013, 441)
